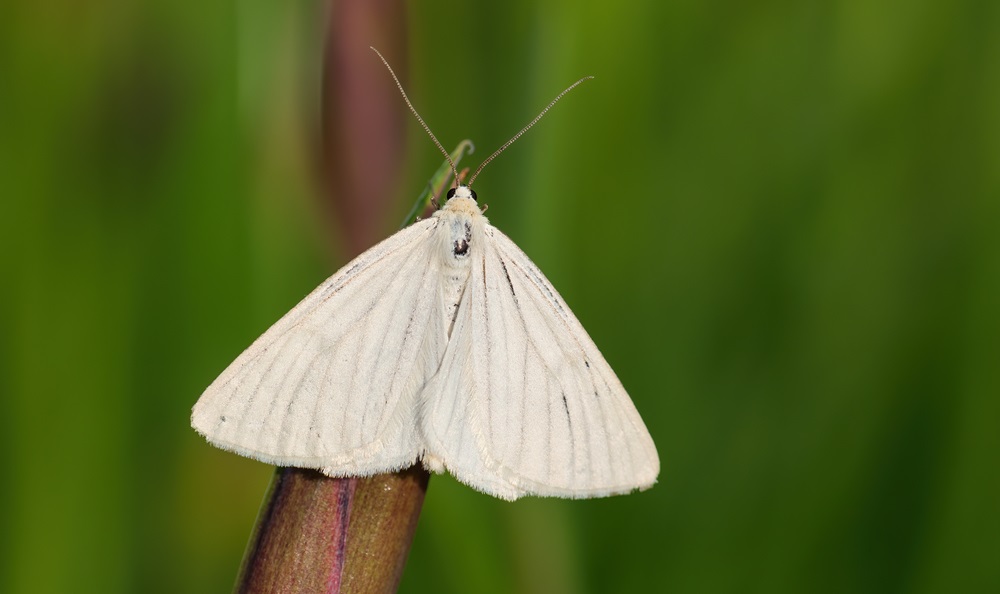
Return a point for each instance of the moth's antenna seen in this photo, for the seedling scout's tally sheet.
(421, 120)
(523, 130)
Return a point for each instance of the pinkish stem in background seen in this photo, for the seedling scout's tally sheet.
(364, 123)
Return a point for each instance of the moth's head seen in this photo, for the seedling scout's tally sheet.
(461, 192)
(461, 200)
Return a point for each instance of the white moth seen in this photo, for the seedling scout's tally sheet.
(443, 344)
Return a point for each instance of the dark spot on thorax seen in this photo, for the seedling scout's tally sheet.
(462, 245)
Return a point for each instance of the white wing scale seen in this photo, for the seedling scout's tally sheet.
(332, 384)
(524, 403)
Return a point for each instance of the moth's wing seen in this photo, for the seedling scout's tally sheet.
(332, 384)
(524, 403)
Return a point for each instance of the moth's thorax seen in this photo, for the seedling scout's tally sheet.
(460, 233)
(460, 228)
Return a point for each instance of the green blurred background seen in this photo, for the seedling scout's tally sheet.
(779, 220)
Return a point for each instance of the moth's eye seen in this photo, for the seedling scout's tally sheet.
(473, 193)
(451, 193)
